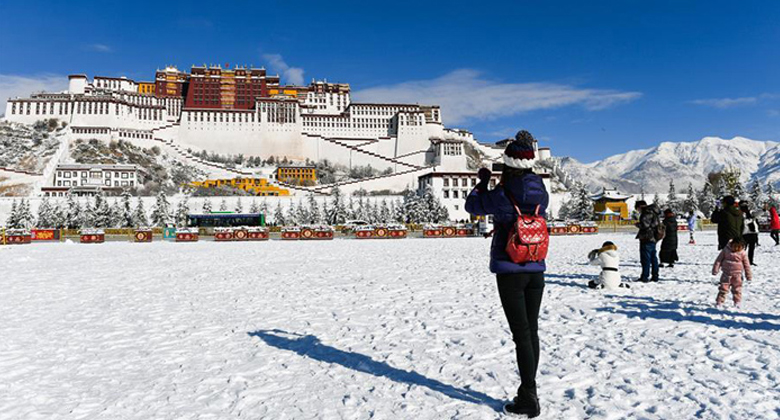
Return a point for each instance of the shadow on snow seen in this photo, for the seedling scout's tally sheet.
(310, 346)
(650, 308)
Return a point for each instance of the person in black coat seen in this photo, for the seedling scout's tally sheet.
(668, 252)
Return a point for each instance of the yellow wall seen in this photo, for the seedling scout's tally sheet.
(257, 186)
(146, 88)
(296, 174)
(616, 206)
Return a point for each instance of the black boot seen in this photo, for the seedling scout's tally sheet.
(526, 403)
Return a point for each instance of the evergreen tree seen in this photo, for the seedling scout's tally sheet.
(398, 211)
(182, 212)
(642, 192)
(279, 219)
(770, 194)
(412, 207)
(301, 214)
(13, 218)
(581, 205)
(368, 209)
(239, 206)
(100, 212)
(206, 206)
(116, 214)
(351, 209)
(337, 212)
(73, 213)
(26, 218)
(384, 212)
(60, 215)
(314, 210)
(659, 202)
(691, 203)
(161, 213)
(360, 210)
(291, 218)
(756, 195)
(47, 218)
(253, 207)
(672, 201)
(705, 199)
(564, 212)
(126, 218)
(264, 207)
(223, 205)
(139, 214)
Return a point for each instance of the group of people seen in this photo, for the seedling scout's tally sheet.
(521, 285)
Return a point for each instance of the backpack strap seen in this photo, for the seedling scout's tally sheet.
(514, 203)
(512, 199)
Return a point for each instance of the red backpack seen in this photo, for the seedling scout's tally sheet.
(529, 239)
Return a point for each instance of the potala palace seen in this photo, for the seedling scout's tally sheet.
(245, 110)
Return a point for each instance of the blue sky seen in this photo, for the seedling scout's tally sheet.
(590, 79)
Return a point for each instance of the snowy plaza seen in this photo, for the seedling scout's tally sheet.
(359, 329)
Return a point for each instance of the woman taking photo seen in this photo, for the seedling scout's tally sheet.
(520, 285)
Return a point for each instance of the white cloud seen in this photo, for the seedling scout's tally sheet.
(465, 94)
(102, 48)
(723, 103)
(13, 86)
(290, 75)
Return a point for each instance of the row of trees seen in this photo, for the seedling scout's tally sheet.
(98, 212)
(580, 206)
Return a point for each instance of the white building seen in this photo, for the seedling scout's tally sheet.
(87, 180)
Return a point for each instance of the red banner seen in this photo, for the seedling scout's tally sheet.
(45, 234)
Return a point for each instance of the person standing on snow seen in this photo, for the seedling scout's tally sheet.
(730, 221)
(692, 226)
(668, 252)
(733, 260)
(520, 285)
(774, 225)
(750, 230)
(648, 235)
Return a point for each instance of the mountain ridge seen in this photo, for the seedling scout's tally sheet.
(651, 169)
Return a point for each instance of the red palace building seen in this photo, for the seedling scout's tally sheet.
(215, 87)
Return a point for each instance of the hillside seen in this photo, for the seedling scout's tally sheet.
(160, 171)
(687, 162)
(28, 147)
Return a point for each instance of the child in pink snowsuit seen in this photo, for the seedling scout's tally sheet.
(733, 260)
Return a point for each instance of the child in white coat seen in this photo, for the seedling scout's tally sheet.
(608, 259)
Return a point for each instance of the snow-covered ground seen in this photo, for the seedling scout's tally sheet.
(350, 329)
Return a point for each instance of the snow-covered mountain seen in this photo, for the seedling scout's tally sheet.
(685, 163)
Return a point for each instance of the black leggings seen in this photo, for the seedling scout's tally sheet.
(751, 239)
(521, 297)
(775, 234)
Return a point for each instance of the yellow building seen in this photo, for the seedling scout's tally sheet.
(298, 175)
(610, 204)
(256, 186)
(146, 88)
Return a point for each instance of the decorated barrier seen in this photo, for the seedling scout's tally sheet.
(187, 235)
(291, 233)
(240, 234)
(448, 231)
(364, 232)
(222, 234)
(256, 233)
(398, 231)
(431, 231)
(142, 235)
(92, 236)
(589, 228)
(381, 232)
(464, 231)
(558, 228)
(574, 228)
(682, 224)
(45, 234)
(18, 236)
(317, 232)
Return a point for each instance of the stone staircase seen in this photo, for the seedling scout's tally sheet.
(394, 161)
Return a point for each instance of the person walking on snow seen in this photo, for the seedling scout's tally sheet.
(668, 252)
(608, 259)
(730, 221)
(733, 260)
(774, 225)
(648, 235)
(520, 285)
(692, 226)
(750, 230)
